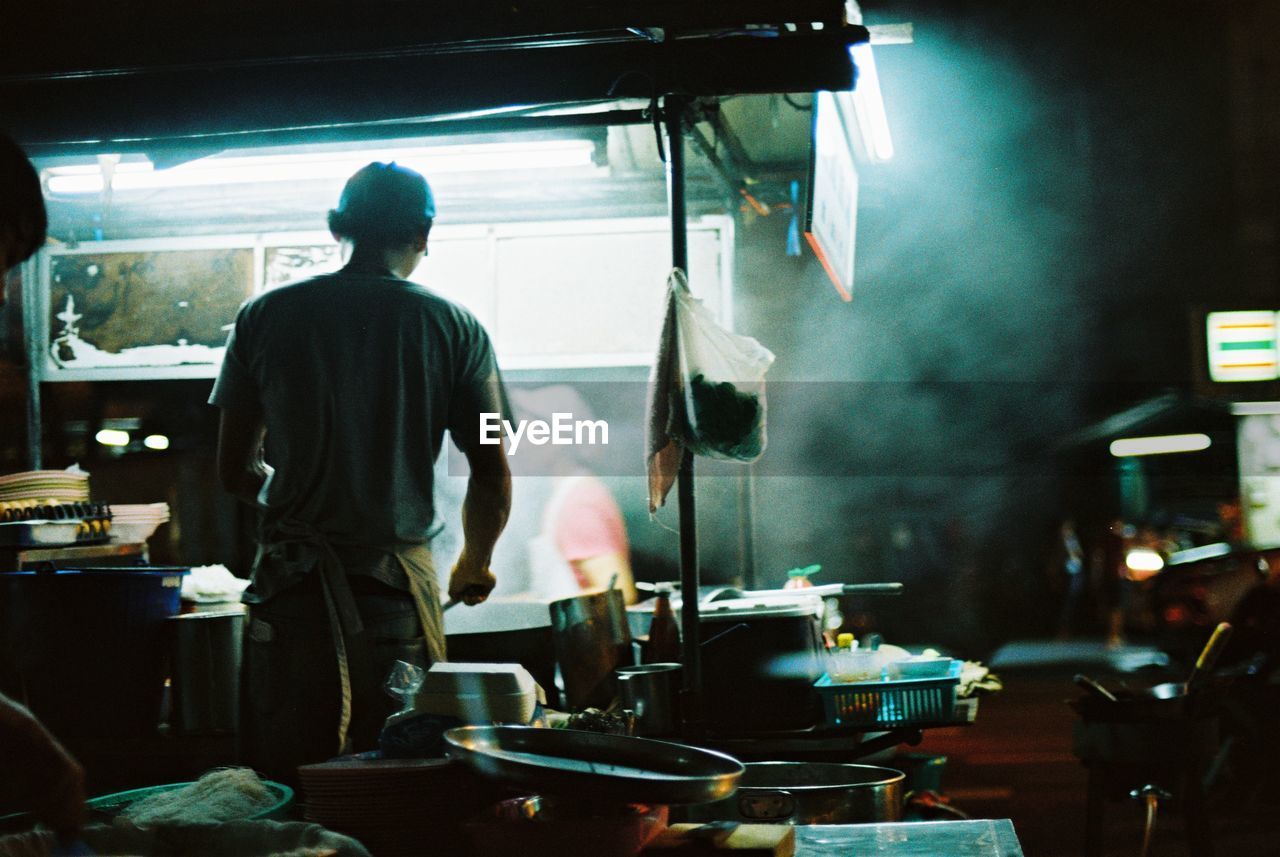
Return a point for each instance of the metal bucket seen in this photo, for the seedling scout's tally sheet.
(808, 793)
(652, 691)
(205, 671)
(591, 640)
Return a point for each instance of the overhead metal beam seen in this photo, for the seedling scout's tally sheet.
(471, 127)
(187, 103)
(62, 37)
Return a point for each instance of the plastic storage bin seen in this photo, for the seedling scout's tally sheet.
(117, 803)
(85, 648)
(890, 704)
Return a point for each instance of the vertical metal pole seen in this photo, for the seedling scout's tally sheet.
(31, 321)
(673, 119)
(747, 526)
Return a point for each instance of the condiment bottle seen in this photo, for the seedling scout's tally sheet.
(664, 635)
(840, 658)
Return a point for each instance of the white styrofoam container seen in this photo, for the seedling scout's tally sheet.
(480, 693)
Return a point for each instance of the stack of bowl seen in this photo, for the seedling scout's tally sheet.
(135, 523)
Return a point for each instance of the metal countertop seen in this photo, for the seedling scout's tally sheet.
(976, 838)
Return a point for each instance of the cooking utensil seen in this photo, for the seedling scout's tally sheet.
(470, 590)
(591, 640)
(808, 793)
(1209, 656)
(206, 654)
(760, 678)
(652, 691)
(826, 590)
(613, 768)
(1094, 688)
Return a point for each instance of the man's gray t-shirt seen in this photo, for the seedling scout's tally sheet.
(358, 377)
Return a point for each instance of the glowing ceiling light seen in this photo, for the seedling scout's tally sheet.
(1143, 563)
(112, 437)
(1159, 445)
(156, 442)
(873, 122)
(1244, 409)
(1200, 553)
(250, 169)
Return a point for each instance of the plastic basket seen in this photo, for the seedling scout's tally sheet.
(890, 704)
(115, 804)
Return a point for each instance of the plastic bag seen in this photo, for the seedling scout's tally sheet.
(403, 682)
(721, 379)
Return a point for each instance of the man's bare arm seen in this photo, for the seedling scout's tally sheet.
(484, 514)
(241, 469)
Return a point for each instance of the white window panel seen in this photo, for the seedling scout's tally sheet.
(461, 269)
(593, 293)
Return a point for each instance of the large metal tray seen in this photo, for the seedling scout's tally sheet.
(604, 768)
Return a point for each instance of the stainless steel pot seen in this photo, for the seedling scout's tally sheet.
(652, 691)
(805, 793)
(591, 640)
(205, 671)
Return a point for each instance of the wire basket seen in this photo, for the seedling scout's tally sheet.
(890, 704)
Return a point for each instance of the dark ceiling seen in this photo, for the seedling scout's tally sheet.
(131, 75)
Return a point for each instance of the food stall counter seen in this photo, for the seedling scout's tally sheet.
(974, 838)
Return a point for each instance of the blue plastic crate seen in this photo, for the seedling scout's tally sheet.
(86, 648)
(890, 704)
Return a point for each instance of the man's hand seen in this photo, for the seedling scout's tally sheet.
(52, 783)
(484, 514)
(470, 582)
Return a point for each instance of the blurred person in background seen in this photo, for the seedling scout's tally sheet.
(567, 535)
(1071, 556)
(37, 773)
(1115, 545)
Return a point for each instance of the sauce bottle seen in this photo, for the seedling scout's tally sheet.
(664, 634)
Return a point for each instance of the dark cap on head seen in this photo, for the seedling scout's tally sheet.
(383, 204)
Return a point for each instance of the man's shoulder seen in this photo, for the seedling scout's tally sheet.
(287, 292)
(436, 304)
(320, 291)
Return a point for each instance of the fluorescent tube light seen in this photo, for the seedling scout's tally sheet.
(251, 169)
(873, 123)
(1197, 554)
(1159, 445)
(1244, 409)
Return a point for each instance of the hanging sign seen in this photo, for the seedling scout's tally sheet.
(831, 219)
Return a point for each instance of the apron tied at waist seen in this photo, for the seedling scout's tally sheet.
(350, 641)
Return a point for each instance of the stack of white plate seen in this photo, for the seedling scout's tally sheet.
(63, 486)
(135, 523)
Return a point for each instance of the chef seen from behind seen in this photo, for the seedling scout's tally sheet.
(37, 773)
(336, 392)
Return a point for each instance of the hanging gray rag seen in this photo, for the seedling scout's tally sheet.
(666, 414)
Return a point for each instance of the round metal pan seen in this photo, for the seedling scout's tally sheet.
(605, 767)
